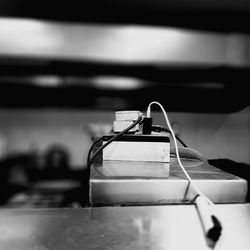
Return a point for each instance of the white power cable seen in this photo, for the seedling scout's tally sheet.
(205, 207)
(196, 189)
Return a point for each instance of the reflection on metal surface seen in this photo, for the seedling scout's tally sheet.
(135, 169)
(120, 43)
(154, 228)
(15, 229)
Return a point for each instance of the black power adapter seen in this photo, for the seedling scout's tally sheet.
(147, 125)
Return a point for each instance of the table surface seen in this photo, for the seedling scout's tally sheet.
(152, 227)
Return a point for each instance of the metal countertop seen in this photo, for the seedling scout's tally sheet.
(145, 227)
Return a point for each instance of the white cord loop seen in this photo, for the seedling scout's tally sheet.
(192, 184)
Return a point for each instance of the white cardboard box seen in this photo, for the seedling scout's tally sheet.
(151, 148)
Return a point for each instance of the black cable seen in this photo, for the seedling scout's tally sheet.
(113, 139)
(91, 148)
(160, 129)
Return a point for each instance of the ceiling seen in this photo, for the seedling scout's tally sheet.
(221, 16)
(209, 71)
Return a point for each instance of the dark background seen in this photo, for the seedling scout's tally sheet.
(222, 17)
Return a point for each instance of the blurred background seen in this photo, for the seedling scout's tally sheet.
(66, 67)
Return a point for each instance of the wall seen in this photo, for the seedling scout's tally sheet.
(215, 135)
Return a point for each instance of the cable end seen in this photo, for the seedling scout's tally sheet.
(214, 233)
(211, 224)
